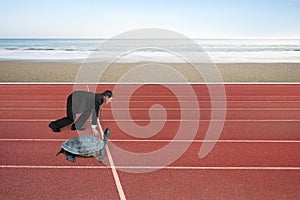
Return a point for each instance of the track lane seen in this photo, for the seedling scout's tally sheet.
(223, 154)
(57, 184)
(61, 105)
(231, 89)
(212, 184)
(191, 183)
(151, 98)
(158, 114)
(232, 130)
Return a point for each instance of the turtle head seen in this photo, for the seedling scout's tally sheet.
(106, 135)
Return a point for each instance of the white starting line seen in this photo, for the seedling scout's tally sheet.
(159, 120)
(146, 167)
(144, 140)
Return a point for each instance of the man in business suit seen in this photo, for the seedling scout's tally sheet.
(86, 103)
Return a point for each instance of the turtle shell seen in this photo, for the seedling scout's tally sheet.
(83, 145)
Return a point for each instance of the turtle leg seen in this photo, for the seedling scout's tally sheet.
(61, 151)
(102, 155)
(70, 157)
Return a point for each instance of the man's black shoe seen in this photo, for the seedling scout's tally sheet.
(56, 130)
(73, 128)
(51, 125)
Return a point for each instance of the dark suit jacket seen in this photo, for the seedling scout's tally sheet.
(83, 101)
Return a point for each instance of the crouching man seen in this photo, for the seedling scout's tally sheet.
(84, 103)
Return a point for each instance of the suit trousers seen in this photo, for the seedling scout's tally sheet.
(70, 118)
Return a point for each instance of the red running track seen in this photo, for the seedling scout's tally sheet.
(256, 157)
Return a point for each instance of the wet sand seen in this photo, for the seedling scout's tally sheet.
(25, 71)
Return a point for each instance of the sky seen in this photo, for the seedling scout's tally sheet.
(192, 18)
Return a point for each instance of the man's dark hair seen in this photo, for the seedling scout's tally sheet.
(108, 93)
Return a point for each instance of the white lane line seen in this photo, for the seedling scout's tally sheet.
(159, 120)
(113, 169)
(213, 141)
(137, 140)
(32, 140)
(159, 101)
(32, 108)
(169, 109)
(160, 96)
(32, 101)
(145, 167)
(152, 83)
(53, 167)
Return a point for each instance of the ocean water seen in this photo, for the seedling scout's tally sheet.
(215, 50)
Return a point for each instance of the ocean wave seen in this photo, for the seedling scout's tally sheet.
(11, 48)
(39, 49)
(183, 49)
(218, 50)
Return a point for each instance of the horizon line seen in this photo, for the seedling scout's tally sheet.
(195, 38)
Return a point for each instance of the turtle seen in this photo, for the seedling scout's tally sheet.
(85, 146)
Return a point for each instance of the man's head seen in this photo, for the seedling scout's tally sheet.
(108, 96)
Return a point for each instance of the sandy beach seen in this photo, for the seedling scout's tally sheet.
(25, 71)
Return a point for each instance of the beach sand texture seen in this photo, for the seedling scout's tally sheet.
(25, 71)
